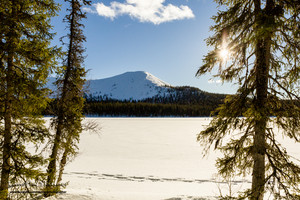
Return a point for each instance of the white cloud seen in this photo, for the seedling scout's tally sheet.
(105, 11)
(153, 11)
(89, 10)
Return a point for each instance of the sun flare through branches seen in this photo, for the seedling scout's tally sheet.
(224, 54)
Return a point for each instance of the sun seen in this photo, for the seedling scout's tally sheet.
(224, 54)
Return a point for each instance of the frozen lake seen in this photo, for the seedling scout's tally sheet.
(145, 159)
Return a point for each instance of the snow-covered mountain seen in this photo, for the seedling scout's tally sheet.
(128, 86)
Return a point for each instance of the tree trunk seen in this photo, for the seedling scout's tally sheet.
(258, 175)
(7, 132)
(262, 64)
(6, 163)
(51, 171)
(259, 146)
(63, 160)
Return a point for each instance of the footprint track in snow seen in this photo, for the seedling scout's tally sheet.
(151, 178)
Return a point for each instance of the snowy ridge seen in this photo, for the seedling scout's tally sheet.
(128, 86)
(153, 79)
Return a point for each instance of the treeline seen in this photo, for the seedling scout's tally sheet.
(115, 108)
(178, 102)
(144, 109)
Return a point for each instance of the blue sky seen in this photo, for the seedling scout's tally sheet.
(162, 37)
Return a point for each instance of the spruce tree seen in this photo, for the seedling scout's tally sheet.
(25, 60)
(68, 118)
(256, 44)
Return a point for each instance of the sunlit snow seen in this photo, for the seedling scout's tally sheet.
(147, 159)
(141, 159)
(130, 85)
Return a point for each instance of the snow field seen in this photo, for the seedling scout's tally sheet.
(146, 159)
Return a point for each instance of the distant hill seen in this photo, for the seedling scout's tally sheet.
(128, 86)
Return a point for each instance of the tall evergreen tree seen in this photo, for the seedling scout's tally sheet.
(25, 61)
(70, 100)
(257, 44)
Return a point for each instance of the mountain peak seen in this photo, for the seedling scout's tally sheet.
(135, 85)
(143, 76)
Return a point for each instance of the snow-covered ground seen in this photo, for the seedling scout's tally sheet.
(145, 159)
